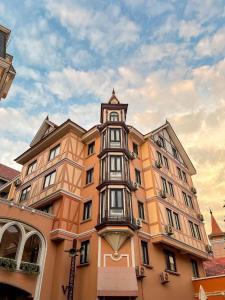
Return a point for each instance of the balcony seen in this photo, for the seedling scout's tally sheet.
(119, 219)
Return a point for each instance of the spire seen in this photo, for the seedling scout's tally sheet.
(113, 99)
(215, 227)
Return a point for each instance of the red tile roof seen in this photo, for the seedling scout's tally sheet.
(215, 227)
(215, 266)
(7, 172)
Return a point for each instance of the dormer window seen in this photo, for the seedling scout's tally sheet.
(114, 116)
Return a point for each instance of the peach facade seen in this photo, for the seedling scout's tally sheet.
(7, 72)
(124, 202)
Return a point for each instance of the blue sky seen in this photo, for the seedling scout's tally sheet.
(166, 59)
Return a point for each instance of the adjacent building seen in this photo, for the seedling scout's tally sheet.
(7, 71)
(7, 174)
(122, 201)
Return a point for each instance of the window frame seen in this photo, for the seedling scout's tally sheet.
(141, 210)
(27, 192)
(159, 157)
(170, 217)
(31, 167)
(116, 199)
(89, 176)
(135, 148)
(166, 162)
(49, 175)
(91, 148)
(144, 252)
(164, 185)
(85, 252)
(87, 210)
(138, 176)
(168, 254)
(171, 189)
(177, 221)
(112, 116)
(195, 270)
(162, 141)
(55, 150)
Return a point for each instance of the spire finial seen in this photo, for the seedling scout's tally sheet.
(210, 211)
(113, 92)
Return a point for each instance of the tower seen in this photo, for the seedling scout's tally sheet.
(217, 238)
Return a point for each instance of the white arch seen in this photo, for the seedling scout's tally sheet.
(41, 255)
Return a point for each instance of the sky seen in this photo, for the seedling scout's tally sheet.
(166, 59)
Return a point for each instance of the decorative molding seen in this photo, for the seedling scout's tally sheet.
(117, 258)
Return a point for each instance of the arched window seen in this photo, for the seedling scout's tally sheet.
(31, 249)
(10, 242)
(114, 116)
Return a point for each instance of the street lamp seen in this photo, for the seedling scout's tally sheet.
(73, 253)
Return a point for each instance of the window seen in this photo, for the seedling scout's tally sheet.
(144, 248)
(31, 249)
(114, 116)
(190, 203)
(47, 209)
(89, 176)
(162, 141)
(84, 254)
(170, 216)
(173, 219)
(159, 155)
(184, 176)
(49, 179)
(177, 221)
(135, 148)
(174, 151)
(141, 212)
(54, 152)
(170, 261)
(32, 167)
(116, 201)
(171, 190)
(164, 185)
(185, 198)
(115, 137)
(87, 210)
(91, 148)
(179, 173)
(138, 176)
(195, 232)
(25, 193)
(165, 162)
(194, 265)
(115, 166)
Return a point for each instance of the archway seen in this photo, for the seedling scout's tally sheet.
(10, 292)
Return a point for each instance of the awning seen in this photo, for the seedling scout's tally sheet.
(117, 281)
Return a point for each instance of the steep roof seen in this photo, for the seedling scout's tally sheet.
(216, 230)
(7, 172)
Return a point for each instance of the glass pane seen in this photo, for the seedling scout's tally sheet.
(10, 241)
(31, 249)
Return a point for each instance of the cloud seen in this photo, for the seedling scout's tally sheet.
(104, 29)
(189, 29)
(213, 45)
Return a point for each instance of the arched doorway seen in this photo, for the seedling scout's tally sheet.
(9, 292)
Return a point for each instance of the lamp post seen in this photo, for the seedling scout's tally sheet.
(70, 287)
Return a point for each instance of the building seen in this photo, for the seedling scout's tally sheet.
(214, 282)
(7, 72)
(6, 175)
(122, 201)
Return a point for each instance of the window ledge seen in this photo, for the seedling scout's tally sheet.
(86, 220)
(83, 265)
(149, 266)
(90, 155)
(172, 272)
(88, 184)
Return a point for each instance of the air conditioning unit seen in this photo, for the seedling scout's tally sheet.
(158, 164)
(17, 182)
(136, 185)
(169, 229)
(138, 222)
(140, 271)
(208, 248)
(200, 217)
(194, 191)
(158, 143)
(164, 277)
(163, 194)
